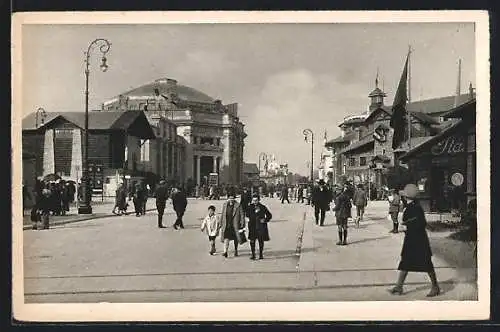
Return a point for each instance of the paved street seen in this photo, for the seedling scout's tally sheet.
(128, 259)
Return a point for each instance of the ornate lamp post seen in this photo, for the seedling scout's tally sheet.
(104, 46)
(40, 112)
(309, 132)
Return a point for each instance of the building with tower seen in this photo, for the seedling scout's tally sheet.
(363, 152)
(213, 133)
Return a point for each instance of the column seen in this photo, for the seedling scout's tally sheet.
(76, 155)
(198, 176)
(48, 152)
(215, 164)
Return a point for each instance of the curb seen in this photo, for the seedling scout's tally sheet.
(91, 217)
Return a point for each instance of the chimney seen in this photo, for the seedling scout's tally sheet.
(457, 94)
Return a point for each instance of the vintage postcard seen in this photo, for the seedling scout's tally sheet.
(250, 166)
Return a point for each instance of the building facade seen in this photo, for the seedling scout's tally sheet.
(213, 132)
(363, 152)
(114, 146)
(444, 166)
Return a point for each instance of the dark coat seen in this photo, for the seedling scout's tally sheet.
(245, 200)
(161, 194)
(179, 201)
(416, 253)
(321, 198)
(343, 206)
(258, 217)
(238, 220)
(360, 198)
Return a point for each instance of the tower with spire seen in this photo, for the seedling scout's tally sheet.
(376, 96)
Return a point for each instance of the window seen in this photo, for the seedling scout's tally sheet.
(352, 161)
(144, 150)
(383, 152)
(362, 161)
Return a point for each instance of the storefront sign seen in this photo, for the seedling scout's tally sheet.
(451, 145)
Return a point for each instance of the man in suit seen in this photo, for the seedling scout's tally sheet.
(161, 195)
(232, 222)
(321, 198)
(179, 201)
(284, 195)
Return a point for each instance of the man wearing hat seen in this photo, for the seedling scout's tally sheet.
(416, 254)
(321, 198)
(161, 195)
(232, 222)
(342, 213)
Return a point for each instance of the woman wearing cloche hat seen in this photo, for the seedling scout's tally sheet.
(416, 253)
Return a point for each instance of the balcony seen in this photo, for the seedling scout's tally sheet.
(208, 147)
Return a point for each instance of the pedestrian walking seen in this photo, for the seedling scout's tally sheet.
(232, 221)
(147, 192)
(211, 226)
(179, 202)
(416, 254)
(120, 200)
(258, 217)
(342, 213)
(161, 196)
(137, 196)
(360, 200)
(394, 207)
(245, 199)
(321, 198)
(41, 210)
(284, 195)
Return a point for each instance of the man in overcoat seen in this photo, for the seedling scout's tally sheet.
(161, 196)
(232, 222)
(321, 198)
(179, 201)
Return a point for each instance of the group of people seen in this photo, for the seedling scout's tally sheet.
(416, 254)
(50, 198)
(232, 222)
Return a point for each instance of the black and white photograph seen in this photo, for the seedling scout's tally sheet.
(238, 166)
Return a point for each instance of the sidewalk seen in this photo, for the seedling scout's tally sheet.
(99, 210)
(369, 262)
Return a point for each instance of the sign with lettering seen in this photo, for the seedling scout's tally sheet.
(451, 145)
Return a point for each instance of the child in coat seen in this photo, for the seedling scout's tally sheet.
(211, 225)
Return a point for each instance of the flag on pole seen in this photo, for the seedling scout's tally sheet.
(399, 113)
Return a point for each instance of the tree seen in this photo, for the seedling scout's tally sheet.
(398, 177)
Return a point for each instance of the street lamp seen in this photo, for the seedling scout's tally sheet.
(104, 46)
(309, 132)
(40, 111)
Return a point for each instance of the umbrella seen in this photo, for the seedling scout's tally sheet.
(51, 177)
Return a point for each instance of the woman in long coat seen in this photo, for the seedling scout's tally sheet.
(258, 217)
(232, 221)
(416, 253)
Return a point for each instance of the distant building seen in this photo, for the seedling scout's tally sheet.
(251, 173)
(213, 132)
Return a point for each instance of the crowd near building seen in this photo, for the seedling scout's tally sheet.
(160, 130)
(439, 156)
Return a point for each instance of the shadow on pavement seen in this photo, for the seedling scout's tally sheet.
(445, 286)
(369, 239)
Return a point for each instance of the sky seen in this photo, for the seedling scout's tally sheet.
(285, 77)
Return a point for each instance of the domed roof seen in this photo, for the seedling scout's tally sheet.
(377, 92)
(163, 85)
